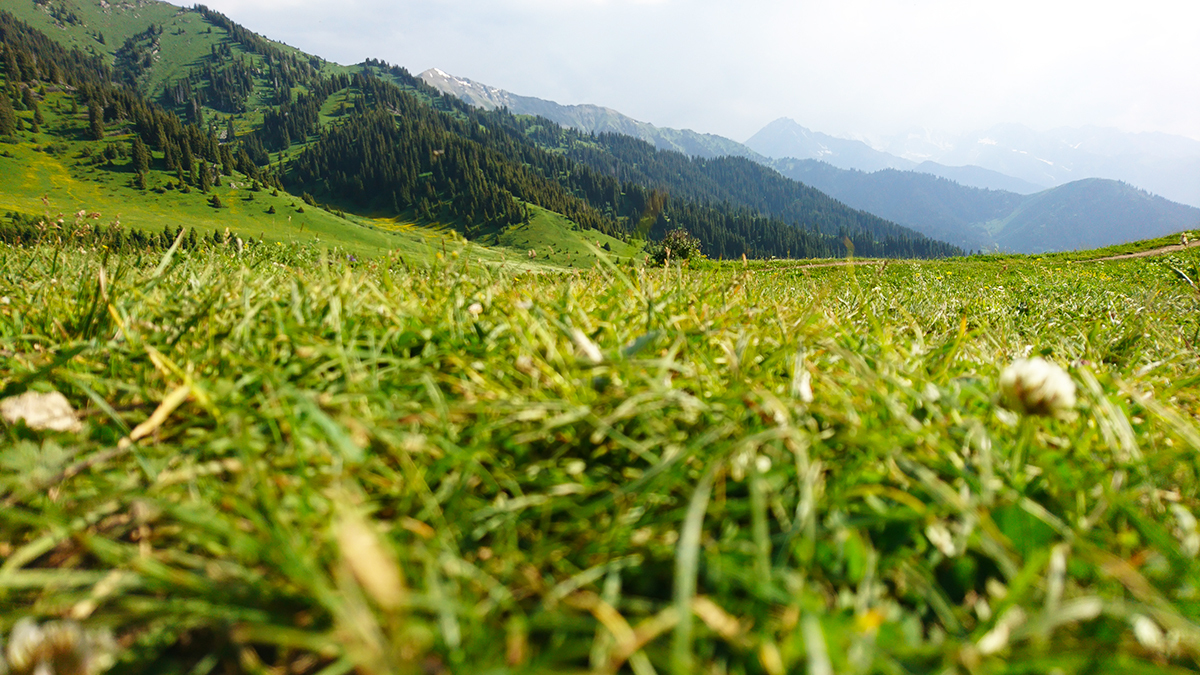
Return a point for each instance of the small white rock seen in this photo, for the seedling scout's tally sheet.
(41, 411)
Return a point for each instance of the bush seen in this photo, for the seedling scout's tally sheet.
(678, 245)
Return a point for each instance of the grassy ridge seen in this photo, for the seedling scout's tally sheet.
(448, 468)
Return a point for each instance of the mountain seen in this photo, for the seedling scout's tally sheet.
(1162, 163)
(1089, 213)
(785, 138)
(587, 118)
(979, 177)
(183, 109)
(782, 138)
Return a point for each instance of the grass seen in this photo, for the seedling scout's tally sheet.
(1115, 249)
(557, 241)
(294, 464)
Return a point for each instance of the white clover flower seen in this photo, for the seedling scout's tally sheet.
(58, 647)
(762, 463)
(1148, 633)
(1037, 387)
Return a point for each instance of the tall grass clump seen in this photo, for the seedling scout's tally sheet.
(291, 462)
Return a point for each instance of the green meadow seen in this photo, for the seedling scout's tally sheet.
(289, 462)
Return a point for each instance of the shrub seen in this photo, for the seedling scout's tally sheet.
(677, 245)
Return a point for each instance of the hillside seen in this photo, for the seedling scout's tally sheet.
(732, 194)
(292, 121)
(1090, 213)
(1085, 214)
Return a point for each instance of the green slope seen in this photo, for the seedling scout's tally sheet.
(555, 240)
(186, 37)
(52, 174)
(1090, 213)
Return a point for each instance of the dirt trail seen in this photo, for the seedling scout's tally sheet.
(1146, 254)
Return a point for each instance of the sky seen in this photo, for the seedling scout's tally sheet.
(867, 69)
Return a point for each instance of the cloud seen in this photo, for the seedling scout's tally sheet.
(851, 67)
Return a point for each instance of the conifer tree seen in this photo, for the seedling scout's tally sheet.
(8, 118)
(226, 160)
(96, 121)
(140, 154)
(10, 65)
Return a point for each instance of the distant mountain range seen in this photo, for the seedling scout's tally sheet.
(782, 138)
(1087, 213)
(1028, 160)
(971, 206)
(587, 118)
(786, 139)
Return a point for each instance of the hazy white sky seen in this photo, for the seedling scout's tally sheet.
(846, 67)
